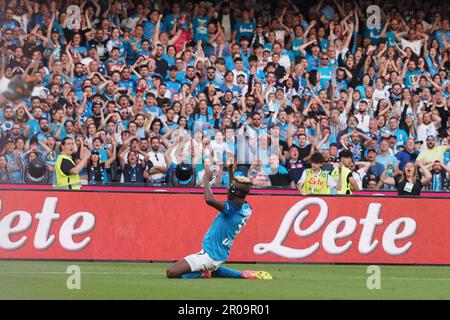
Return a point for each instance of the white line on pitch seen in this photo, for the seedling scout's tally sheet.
(160, 273)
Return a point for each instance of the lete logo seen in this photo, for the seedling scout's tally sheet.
(42, 239)
(298, 213)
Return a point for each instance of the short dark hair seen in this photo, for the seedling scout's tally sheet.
(317, 157)
(63, 141)
(345, 154)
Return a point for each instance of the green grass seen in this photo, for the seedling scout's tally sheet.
(105, 280)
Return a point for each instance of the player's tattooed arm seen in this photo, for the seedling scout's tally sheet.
(209, 196)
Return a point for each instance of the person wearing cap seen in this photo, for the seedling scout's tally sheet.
(258, 38)
(313, 57)
(375, 167)
(67, 171)
(418, 145)
(346, 184)
(433, 151)
(314, 180)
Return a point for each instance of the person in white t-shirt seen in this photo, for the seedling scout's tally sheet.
(159, 170)
(428, 127)
(415, 40)
(381, 92)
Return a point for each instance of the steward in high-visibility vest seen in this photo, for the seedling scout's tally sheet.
(343, 178)
(64, 181)
(346, 183)
(67, 172)
(315, 180)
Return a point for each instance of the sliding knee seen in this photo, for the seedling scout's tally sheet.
(171, 273)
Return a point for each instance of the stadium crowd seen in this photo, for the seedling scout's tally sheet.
(153, 91)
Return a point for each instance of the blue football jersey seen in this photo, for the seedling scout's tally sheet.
(225, 228)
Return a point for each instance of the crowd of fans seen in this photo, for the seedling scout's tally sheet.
(157, 90)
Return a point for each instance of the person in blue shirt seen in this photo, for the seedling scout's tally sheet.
(134, 44)
(246, 27)
(443, 33)
(216, 246)
(228, 85)
(390, 35)
(408, 154)
(200, 25)
(173, 85)
(8, 20)
(400, 134)
(411, 74)
(297, 41)
(373, 33)
(313, 56)
(172, 18)
(125, 79)
(150, 25)
(325, 71)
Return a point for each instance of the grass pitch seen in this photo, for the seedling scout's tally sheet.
(120, 280)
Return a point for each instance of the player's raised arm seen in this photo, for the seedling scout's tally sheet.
(209, 196)
(230, 174)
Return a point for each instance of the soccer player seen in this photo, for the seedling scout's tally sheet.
(217, 242)
(19, 87)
